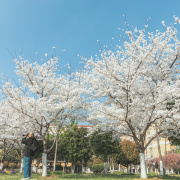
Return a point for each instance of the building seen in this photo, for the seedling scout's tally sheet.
(152, 149)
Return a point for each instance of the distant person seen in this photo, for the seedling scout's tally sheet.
(156, 168)
(31, 147)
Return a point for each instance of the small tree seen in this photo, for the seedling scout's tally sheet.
(74, 146)
(128, 154)
(103, 146)
(12, 156)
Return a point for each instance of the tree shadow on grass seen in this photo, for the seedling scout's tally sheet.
(60, 175)
(98, 176)
(165, 177)
(113, 176)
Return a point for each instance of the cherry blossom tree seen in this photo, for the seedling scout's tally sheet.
(171, 161)
(44, 97)
(128, 90)
(11, 132)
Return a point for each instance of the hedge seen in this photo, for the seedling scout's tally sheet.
(59, 167)
(18, 165)
(119, 172)
(97, 168)
(12, 165)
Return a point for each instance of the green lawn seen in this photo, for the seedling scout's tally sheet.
(60, 175)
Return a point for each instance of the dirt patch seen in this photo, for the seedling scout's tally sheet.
(154, 178)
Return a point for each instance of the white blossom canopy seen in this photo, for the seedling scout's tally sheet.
(128, 90)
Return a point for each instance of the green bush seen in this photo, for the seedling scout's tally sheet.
(78, 168)
(97, 168)
(40, 167)
(89, 164)
(59, 167)
(119, 172)
(12, 165)
(152, 173)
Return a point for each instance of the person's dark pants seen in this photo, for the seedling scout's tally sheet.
(27, 166)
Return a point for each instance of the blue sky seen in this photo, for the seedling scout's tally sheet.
(74, 25)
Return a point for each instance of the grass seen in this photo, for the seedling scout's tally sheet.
(60, 175)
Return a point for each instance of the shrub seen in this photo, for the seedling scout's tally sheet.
(97, 168)
(18, 165)
(119, 172)
(171, 160)
(12, 165)
(152, 173)
(78, 168)
(95, 161)
(89, 163)
(40, 167)
(59, 167)
(6, 164)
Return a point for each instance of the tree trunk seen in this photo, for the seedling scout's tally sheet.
(160, 157)
(119, 167)
(44, 164)
(110, 164)
(73, 168)
(82, 166)
(2, 165)
(172, 171)
(127, 170)
(113, 166)
(65, 170)
(22, 165)
(55, 156)
(64, 167)
(161, 168)
(165, 147)
(22, 161)
(35, 168)
(143, 167)
(105, 167)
